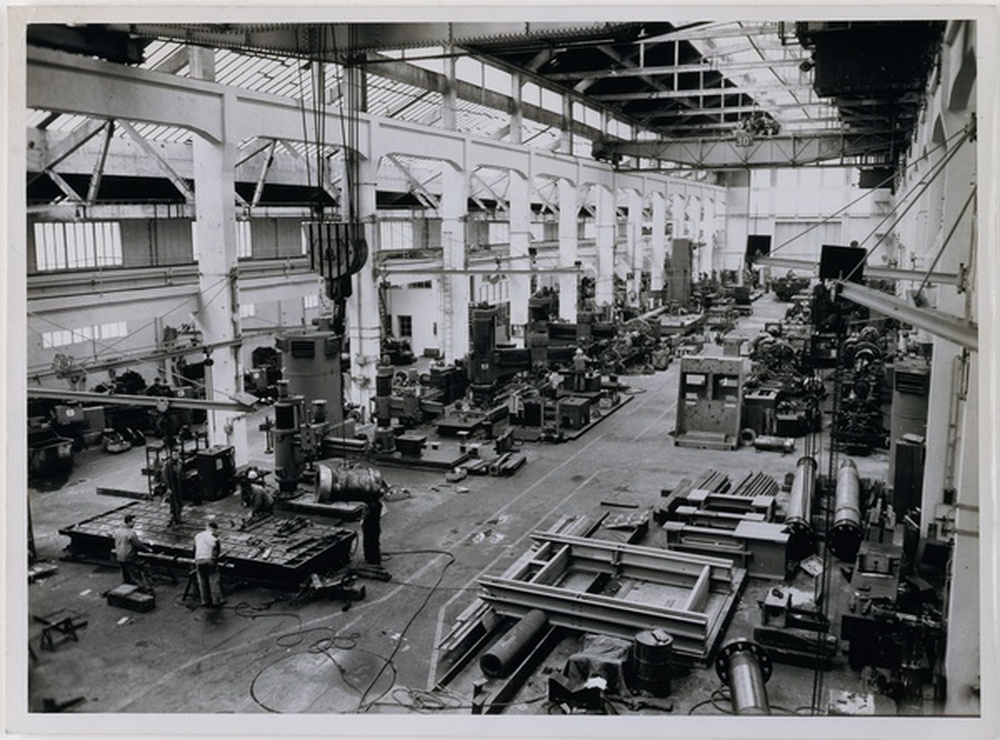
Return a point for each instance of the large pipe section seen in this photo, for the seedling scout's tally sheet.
(507, 652)
(744, 666)
(287, 452)
(348, 484)
(847, 532)
(798, 512)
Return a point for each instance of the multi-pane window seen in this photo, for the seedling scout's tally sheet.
(395, 234)
(405, 326)
(247, 310)
(310, 301)
(77, 245)
(64, 337)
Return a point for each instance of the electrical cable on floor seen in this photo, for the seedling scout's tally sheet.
(713, 699)
(362, 706)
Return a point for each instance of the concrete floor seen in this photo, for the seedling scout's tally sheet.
(263, 653)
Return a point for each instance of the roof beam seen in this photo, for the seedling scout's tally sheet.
(102, 157)
(694, 92)
(783, 150)
(676, 69)
(171, 174)
(711, 31)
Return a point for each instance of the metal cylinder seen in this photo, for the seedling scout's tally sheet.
(776, 444)
(287, 454)
(383, 396)
(652, 655)
(798, 512)
(846, 533)
(347, 484)
(509, 650)
(744, 666)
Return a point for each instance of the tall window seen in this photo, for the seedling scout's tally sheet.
(405, 326)
(73, 245)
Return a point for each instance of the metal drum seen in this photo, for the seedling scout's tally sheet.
(846, 535)
(347, 484)
(652, 655)
(798, 513)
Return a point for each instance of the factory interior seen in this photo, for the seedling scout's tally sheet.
(510, 369)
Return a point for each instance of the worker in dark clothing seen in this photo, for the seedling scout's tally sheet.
(371, 532)
(206, 562)
(172, 477)
(255, 495)
(127, 549)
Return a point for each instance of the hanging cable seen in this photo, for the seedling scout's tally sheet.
(921, 189)
(951, 233)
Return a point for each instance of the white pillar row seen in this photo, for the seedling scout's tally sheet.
(636, 247)
(214, 233)
(569, 226)
(363, 324)
(453, 288)
(519, 218)
(606, 222)
(658, 239)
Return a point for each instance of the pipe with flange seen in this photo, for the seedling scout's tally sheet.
(507, 652)
(744, 666)
(846, 534)
(798, 512)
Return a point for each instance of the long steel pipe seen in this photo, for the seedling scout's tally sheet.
(745, 667)
(798, 512)
(504, 655)
(847, 532)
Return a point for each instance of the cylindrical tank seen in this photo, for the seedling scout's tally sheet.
(310, 362)
(287, 454)
(506, 652)
(745, 667)
(847, 531)
(383, 396)
(652, 655)
(347, 484)
(798, 512)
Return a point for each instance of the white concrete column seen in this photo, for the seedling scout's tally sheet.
(566, 141)
(519, 218)
(707, 251)
(449, 97)
(569, 226)
(454, 289)
(516, 115)
(607, 220)
(635, 246)
(214, 232)
(363, 322)
(658, 239)
(964, 644)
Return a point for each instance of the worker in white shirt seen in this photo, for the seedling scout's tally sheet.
(206, 562)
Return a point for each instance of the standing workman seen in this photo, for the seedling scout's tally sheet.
(127, 548)
(579, 371)
(206, 562)
(172, 477)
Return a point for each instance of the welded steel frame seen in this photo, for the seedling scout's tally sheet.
(532, 583)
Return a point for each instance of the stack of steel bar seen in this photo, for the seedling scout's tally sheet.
(730, 521)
